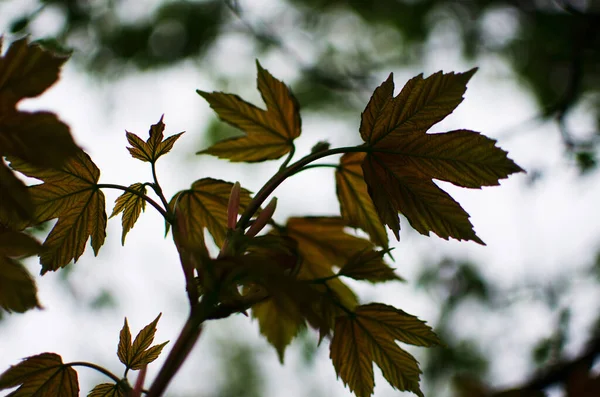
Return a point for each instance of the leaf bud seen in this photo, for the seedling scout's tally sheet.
(263, 218)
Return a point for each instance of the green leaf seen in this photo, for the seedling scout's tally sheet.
(68, 193)
(369, 265)
(356, 205)
(279, 321)
(43, 375)
(402, 159)
(135, 356)
(130, 205)
(268, 134)
(369, 335)
(155, 146)
(204, 205)
(108, 390)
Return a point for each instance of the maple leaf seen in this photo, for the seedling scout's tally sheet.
(369, 265)
(109, 390)
(26, 71)
(155, 146)
(369, 335)
(130, 205)
(70, 194)
(269, 134)
(356, 205)
(402, 159)
(17, 288)
(42, 375)
(204, 205)
(139, 353)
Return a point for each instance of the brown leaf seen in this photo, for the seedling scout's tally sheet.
(68, 193)
(155, 146)
(130, 205)
(139, 353)
(369, 335)
(268, 134)
(355, 203)
(369, 265)
(43, 375)
(402, 159)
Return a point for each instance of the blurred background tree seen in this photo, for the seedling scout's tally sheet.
(337, 51)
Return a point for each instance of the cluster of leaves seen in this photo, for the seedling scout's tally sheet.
(291, 276)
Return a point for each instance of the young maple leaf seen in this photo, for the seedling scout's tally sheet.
(204, 205)
(41, 375)
(138, 354)
(40, 138)
(369, 335)
(17, 288)
(155, 146)
(68, 193)
(268, 134)
(130, 205)
(402, 159)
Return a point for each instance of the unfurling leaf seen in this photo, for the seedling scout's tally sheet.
(70, 194)
(109, 390)
(269, 134)
(17, 288)
(204, 205)
(137, 355)
(402, 159)
(43, 375)
(369, 265)
(130, 205)
(356, 205)
(155, 146)
(369, 335)
(26, 71)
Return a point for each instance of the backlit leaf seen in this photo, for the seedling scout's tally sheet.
(269, 134)
(279, 321)
(130, 205)
(43, 375)
(369, 335)
(15, 204)
(355, 203)
(68, 193)
(402, 159)
(155, 146)
(17, 288)
(369, 265)
(135, 356)
(108, 390)
(204, 205)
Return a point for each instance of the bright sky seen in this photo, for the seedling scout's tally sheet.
(533, 233)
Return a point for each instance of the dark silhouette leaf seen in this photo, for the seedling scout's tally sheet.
(402, 159)
(17, 288)
(369, 335)
(155, 146)
(68, 193)
(269, 134)
(137, 355)
(130, 205)
(356, 205)
(26, 71)
(43, 375)
(369, 265)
